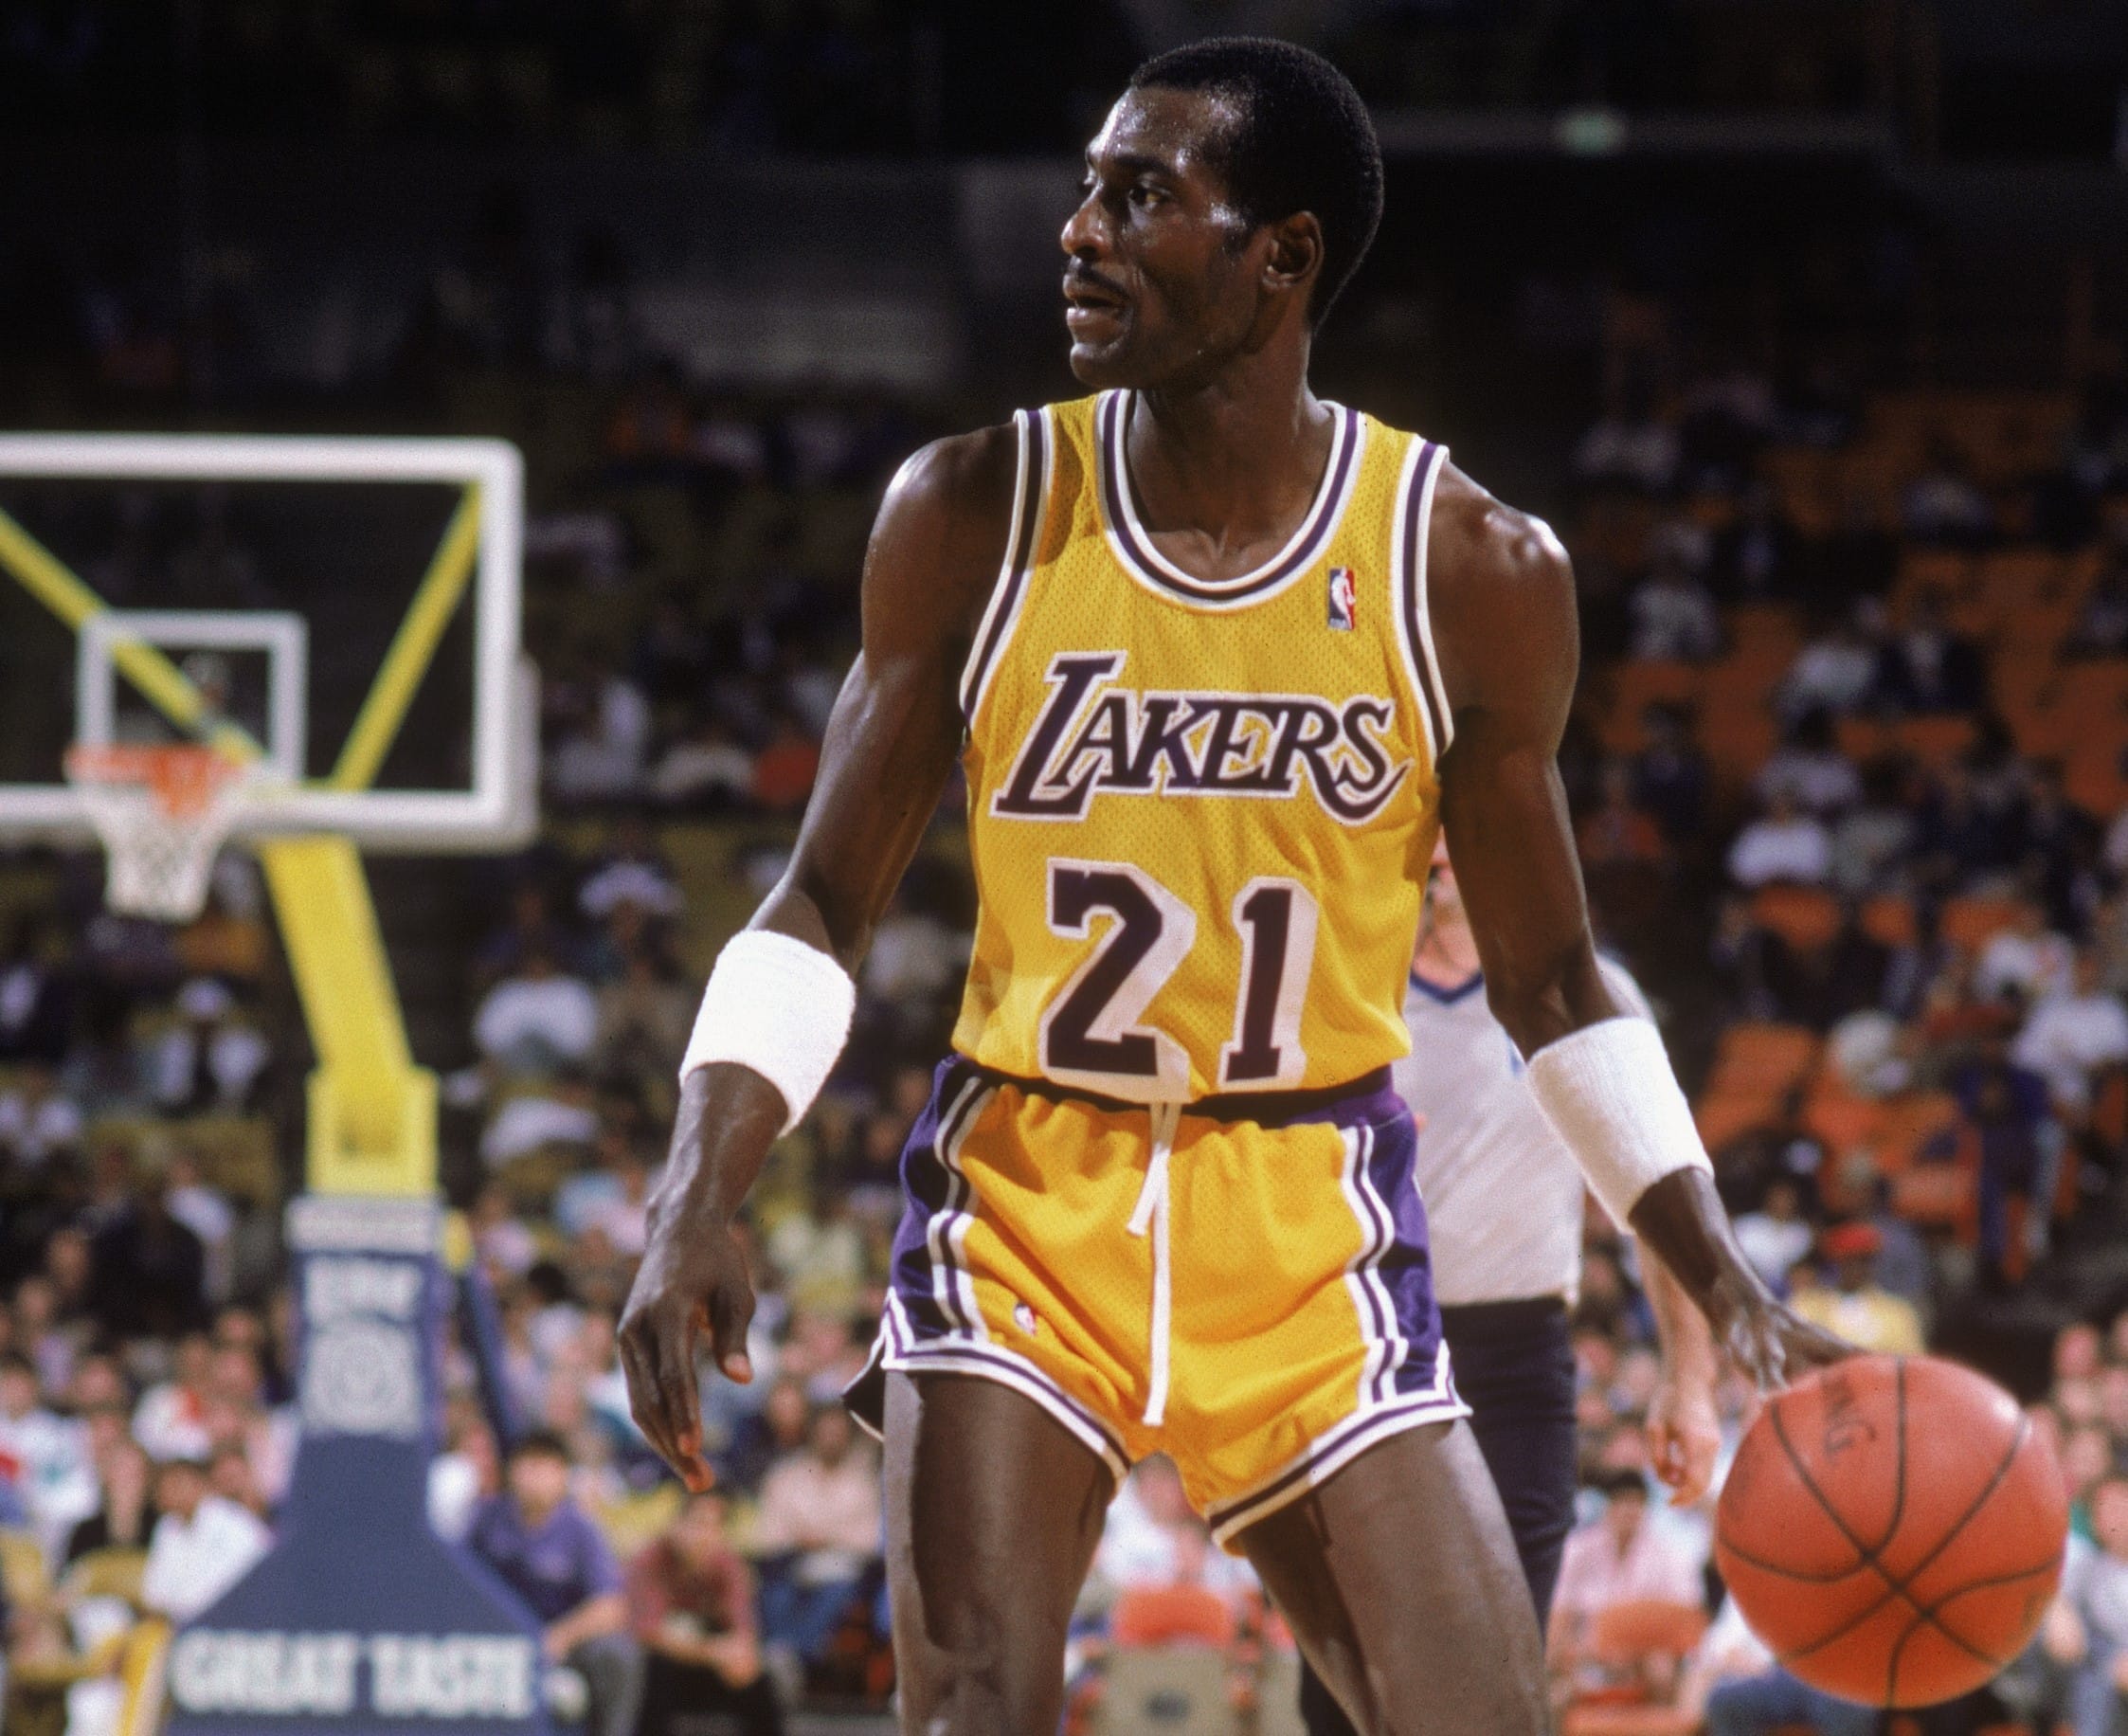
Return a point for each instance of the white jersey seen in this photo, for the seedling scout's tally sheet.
(1502, 1194)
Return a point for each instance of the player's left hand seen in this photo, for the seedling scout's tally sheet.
(1683, 1434)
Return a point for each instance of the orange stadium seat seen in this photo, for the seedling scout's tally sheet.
(1775, 1058)
(1631, 1638)
(1972, 922)
(1910, 1124)
(1890, 920)
(1737, 740)
(1842, 1122)
(1171, 1614)
(1804, 916)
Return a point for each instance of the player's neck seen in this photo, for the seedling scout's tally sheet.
(1237, 460)
(1446, 955)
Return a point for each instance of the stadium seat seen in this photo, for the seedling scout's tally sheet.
(1764, 1057)
(1806, 917)
(1971, 922)
(1171, 1614)
(1889, 920)
(1172, 1690)
(1628, 1638)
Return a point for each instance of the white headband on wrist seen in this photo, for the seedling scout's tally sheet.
(1608, 1093)
(778, 1007)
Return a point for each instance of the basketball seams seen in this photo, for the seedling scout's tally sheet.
(1870, 1558)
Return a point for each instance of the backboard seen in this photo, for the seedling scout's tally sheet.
(345, 611)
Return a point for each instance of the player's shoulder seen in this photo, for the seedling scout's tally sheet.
(1500, 594)
(941, 535)
(1480, 544)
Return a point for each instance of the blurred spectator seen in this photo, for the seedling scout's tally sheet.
(2094, 1640)
(149, 1269)
(544, 1548)
(784, 769)
(1924, 667)
(1632, 445)
(1855, 1307)
(817, 1530)
(1744, 1693)
(202, 1545)
(206, 1212)
(36, 1004)
(2073, 1036)
(537, 1019)
(2006, 1105)
(705, 769)
(1783, 844)
(170, 1422)
(1943, 505)
(1670, 777)
(209, 1059)
(124, 1516)
(633, 870)
(690, 1600)
(1834, 673)
(1673, 616)
(37, 1118)
(1774, 1236)
(1617, 1558)
(1808, 770)
(2024, 959)
(41, 1452)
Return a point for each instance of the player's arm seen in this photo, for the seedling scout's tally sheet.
(778, 1007)
(1502, 601)
(1684, 1424)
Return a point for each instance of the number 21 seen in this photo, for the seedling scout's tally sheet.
(1091, 1035)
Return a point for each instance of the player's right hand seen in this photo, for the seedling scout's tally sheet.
(688, 1286)
(1766, 1341)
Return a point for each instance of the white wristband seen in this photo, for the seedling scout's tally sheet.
(779, 1006)
(1608, 1093)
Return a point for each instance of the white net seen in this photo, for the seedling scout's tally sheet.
(163, 814)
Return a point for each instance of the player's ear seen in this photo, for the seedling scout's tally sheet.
(1295, 254)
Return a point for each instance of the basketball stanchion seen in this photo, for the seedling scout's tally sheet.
(361, 1619)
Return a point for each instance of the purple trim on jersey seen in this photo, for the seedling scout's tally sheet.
(1322, 515)
(1429, 456)
(1020, 558)
(931, 1189)
(1405, 1268)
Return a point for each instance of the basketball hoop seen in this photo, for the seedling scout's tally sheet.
(163, 813)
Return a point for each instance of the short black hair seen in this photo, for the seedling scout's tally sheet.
(540, 1444)
(1304, 141)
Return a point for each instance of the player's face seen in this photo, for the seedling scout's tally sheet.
(1163, 274)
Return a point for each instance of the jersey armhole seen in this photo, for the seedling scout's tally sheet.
(1030, 500)
(1412, 528)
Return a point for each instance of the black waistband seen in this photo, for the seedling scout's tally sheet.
(1519, 1315)
(1266, 1108)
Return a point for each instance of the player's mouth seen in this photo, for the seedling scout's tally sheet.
(1091, 306)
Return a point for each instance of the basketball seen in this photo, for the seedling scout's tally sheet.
(1893, 1529)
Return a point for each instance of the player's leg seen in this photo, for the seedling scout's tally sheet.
(993, 1513)
(1400, 1580)
(1514, 1367)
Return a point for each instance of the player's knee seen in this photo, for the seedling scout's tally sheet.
(980, 1690)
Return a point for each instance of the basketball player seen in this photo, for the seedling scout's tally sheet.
(1503, 1209)
(1218, 657)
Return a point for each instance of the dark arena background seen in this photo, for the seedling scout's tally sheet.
(1804, 322)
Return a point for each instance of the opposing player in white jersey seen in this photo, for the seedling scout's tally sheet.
(1504, 1210)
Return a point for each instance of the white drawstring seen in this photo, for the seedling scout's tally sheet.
(1151, 1213)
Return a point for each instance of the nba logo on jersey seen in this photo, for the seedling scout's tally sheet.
(1344, 599)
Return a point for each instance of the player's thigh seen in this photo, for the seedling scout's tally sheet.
(1400, 1578)
(993, 1512)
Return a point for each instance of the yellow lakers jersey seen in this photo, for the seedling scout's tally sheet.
(1199, 812)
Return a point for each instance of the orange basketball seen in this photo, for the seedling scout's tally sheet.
(1893, 1530)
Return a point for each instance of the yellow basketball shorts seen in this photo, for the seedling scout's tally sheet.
(1243, 1283)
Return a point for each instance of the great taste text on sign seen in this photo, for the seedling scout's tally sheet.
(409, 1675)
